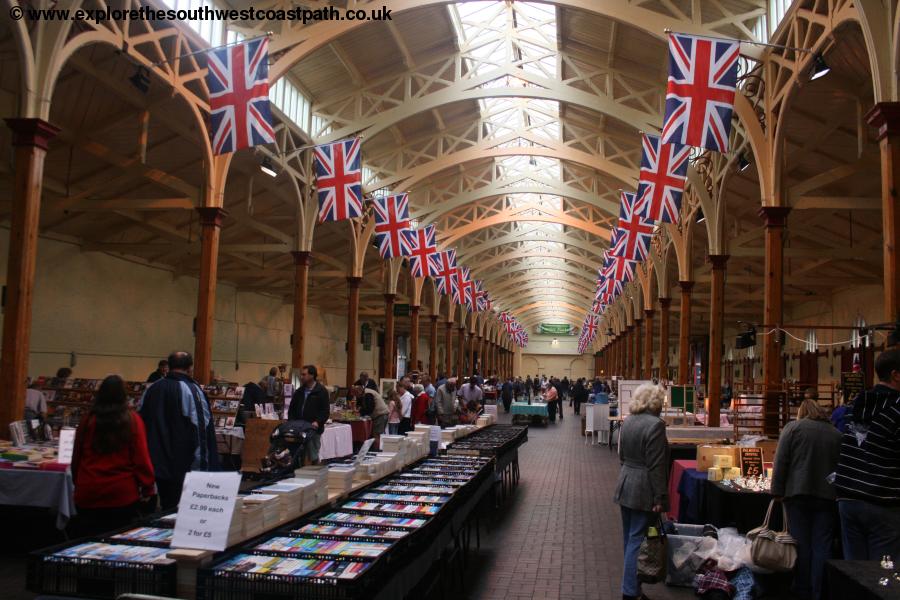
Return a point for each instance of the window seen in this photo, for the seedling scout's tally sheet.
(213, 31)
(812, 344)
(856, 339)
(777, 10)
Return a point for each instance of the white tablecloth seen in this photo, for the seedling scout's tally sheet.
(337, 441)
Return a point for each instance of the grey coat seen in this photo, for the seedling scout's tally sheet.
(807, 453)
(644, 453)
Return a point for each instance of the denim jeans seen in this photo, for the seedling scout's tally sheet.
(393, 428)
(869, 531)
(812, 523)
(313, 445)
(634, 530)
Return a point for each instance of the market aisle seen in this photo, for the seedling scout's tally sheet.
(559, 537)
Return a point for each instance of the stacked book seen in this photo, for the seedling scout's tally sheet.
(291, 495)
(114, 552)
(340, 478)
(252, 514)
(319, 475)
(236, 527)
(310, 488)
(270, 505)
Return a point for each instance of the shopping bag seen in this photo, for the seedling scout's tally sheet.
(653, 556)
(773, 550)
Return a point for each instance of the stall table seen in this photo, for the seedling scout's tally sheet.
(337, 441)
(675, 475)
(858, 579)
(361, 429)
(39, 489)
(746, 510)
(692, 497)
(529, 411)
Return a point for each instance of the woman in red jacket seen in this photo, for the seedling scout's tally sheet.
(110, 465)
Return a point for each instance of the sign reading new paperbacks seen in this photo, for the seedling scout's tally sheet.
(555, 329)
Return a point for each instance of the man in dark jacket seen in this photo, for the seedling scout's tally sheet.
(868, 471)
(310, 403)
(161, 370)
(506, 393)
(181, 435)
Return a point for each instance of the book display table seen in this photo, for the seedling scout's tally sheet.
(40, 489)
(859, 580)
(378, 539)
(522, 411)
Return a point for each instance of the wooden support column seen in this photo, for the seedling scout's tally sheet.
(352, 326)
(775, 217)
(886, 117)
(448, 349)
(432, 348)
(482, 363)
(211, 218)
(413, 337)
(301, 294)
(31, 138)
(648, 343)
(664, 306)
(472, 343)
(390, 344)
(684, 334)
(461, 352)
(626, 352)
(638, 343)
(716, 324)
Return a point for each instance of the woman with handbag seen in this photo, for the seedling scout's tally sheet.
(807, 454)
(642, 488)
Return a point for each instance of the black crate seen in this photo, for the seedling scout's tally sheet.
(98, 579)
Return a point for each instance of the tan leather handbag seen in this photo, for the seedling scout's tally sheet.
(773, 550)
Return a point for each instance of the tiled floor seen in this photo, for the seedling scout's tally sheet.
(559, 536)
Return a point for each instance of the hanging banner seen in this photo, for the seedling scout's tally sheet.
(555, 329)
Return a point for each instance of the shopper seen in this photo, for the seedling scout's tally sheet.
(445, 402)
(366, 382)
(470, 391)
(551, 397)
(420, 405)
(395, 412)
(254, 395)
(63, 373)
(111, 465)
(35, 403)
(162, 368)
(579, 395)
(807, 454)
(529, 385)
(181, 435)
(507, 392)
(641, 491)
(406, 401)
(274, 385)
(868, 472)
(429, 387)
(310, 403)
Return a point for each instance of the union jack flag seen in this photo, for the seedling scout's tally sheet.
(700, 92)
(622, 269)
(339, 180)
(482, 298)
(662, 179)
(238, 82)
(611, 290)
(505, 317)
(461, 284)
(590, 327)
(633, 242)
(391, 225)
(422, 248)
(444, 264)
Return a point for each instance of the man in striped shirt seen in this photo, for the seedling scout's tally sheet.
(868, 472)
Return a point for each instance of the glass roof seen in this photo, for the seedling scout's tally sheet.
(493, 34)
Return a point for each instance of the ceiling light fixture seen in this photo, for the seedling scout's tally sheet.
(700, 216)
(743, 162)
(267, 167)
(141, 79)
(820, 67)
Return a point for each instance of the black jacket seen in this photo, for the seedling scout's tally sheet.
(181, 435)
(316, 407)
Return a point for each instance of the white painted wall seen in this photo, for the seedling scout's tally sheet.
(119, 316)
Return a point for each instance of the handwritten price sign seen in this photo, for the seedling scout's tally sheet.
(205, 510)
